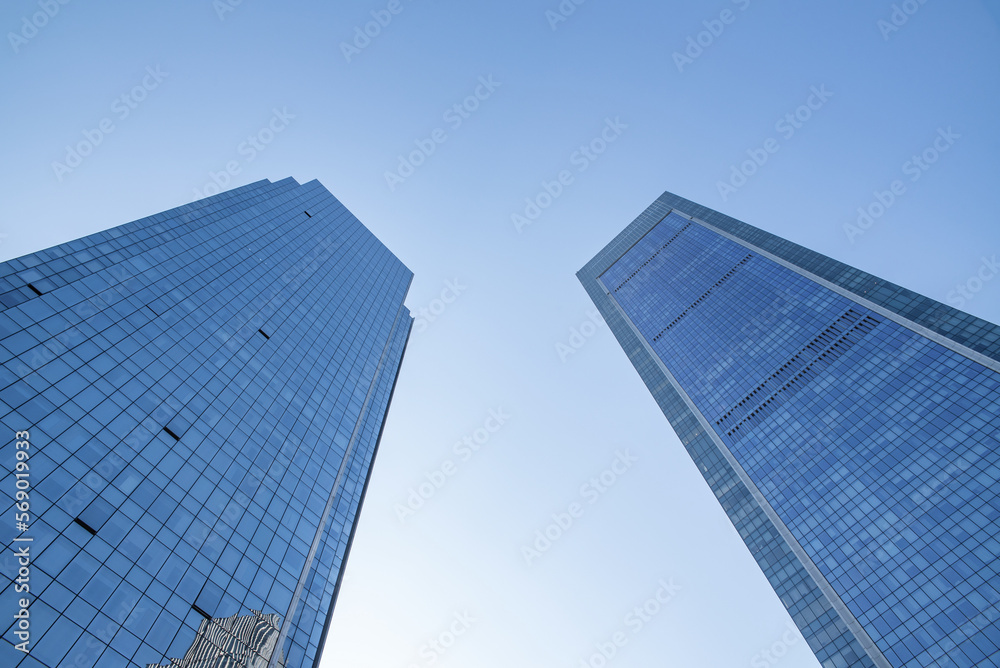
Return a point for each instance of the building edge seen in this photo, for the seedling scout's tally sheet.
(361, 505)
(743, 503)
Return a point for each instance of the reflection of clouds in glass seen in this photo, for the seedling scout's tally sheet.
(245, 641)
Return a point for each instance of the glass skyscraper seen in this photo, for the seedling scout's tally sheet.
(849, 427)
(197, 398)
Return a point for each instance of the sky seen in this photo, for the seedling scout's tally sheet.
(495, 148)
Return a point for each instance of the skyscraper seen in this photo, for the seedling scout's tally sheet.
(197, 398)
(849, 427)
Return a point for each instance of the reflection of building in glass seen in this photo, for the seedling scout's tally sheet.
(204, 391)
(233, 642)
(849, 427)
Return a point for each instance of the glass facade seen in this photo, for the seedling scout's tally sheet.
(850, 428)
(197, 398)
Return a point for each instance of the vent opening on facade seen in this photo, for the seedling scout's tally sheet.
(697, 302)
(175, 436)
(827, 347)
(200, 611)
(36, 290)
(651, 257)
(264, 333)
(822, 340)
(91, 530)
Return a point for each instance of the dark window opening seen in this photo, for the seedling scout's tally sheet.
(151, 309)
(91, 530)
(264, 333)
(307, 213)
(200, 611)
(176, 437)
(37, 291)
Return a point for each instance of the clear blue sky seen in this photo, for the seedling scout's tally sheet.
(267, 90)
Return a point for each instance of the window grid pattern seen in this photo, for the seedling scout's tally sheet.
(974, 333)
(822, 627)
(881, 461)
(151, 329)
(312, 616)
